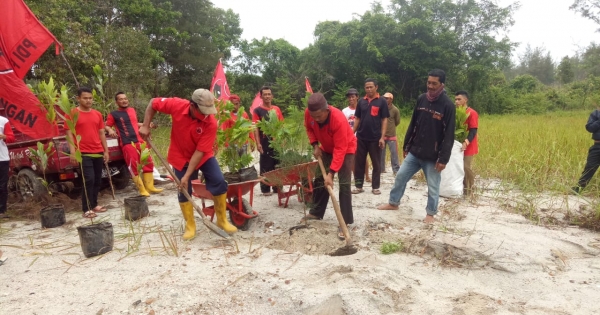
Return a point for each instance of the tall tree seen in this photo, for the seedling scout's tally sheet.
(538, 63)
(565, 70)
(587, 8)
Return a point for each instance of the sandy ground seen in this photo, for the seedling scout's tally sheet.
(481, 257)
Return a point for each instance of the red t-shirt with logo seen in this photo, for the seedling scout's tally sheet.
(88, 126)
(472, 122)
(187, 134)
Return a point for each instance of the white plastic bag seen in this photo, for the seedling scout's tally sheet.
(451, 185)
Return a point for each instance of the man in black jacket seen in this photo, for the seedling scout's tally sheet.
(427, 144)
(593, 158)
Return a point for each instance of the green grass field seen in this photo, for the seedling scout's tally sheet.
(535, 152)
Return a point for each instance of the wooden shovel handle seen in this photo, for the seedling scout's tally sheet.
(336, 205)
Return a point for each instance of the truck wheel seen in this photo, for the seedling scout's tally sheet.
(121, 180)
(29, 185)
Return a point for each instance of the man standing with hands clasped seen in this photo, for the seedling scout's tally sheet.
(93, 148)
(369, 124)
(427, 144)
(332, 139)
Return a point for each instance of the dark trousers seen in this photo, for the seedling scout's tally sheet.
(591, 166)
(374, 151)
(3, 185)
(215, 182)
(321, 196)
(267, 163)
(92, 178)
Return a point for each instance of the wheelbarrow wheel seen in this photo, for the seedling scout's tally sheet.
(239, 221)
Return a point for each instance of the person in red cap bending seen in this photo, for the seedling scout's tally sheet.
(333, 140)
(193, 135)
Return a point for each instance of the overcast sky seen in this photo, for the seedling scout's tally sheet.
(547, 23)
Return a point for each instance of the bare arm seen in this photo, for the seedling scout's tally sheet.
(383, 128)
(257, 139)
(148, 116)
(111, 132)
(104, 145)
(72, 148)
(356, 124)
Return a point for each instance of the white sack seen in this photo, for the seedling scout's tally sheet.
(451, 185)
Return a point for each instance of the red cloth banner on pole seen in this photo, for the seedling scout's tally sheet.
(23, 39)
(20, 105)
(255, 103)
(219, 85)
(308, 87)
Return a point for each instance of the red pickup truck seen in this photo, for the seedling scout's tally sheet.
(61, 176)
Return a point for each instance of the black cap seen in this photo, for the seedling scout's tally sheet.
(352, 92)
(316, 102)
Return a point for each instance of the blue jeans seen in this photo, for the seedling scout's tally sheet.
(410, 167)
(215, 182)
(393, 155)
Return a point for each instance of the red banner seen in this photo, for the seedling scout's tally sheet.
(23, 39)
(219, 85)
(255, 103)
(19, 105)
(308, 87)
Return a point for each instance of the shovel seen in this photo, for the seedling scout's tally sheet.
(349, 249)
(211, 226)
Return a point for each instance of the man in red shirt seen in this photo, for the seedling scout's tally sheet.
(193, 135)
(93, 148)
(333, 140)
(267, 154)
(125, 121)
(469, 146)
(6, 136)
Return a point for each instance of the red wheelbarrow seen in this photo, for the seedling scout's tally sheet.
(240, 211)
(298, 179)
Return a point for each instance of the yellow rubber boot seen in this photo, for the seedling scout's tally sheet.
(149, 183)
(140, 186)
(190, 223)
(222, 222)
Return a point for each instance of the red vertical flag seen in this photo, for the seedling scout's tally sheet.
(219, 85)
(23, 39)
(255, 103)
(308, 87)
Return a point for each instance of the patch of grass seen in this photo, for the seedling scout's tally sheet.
(388, 248)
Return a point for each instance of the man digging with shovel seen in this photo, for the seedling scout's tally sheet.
(327, 126)
(193, 134)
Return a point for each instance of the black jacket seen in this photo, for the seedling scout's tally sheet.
(430, 135)
(593, 125)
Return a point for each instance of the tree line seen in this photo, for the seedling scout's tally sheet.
(151, 48)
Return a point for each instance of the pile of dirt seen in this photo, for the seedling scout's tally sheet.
(319, 238)
(31, 209)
